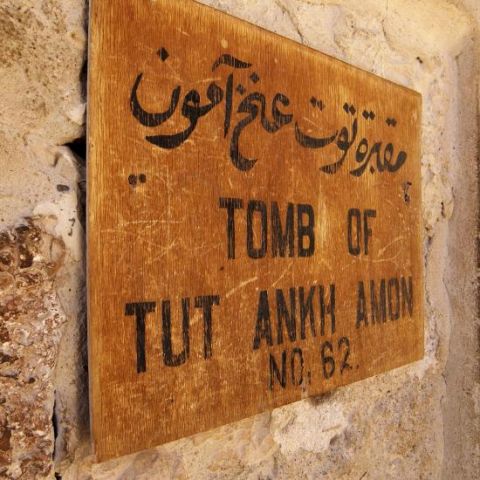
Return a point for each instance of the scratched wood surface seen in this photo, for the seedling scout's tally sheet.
(254, 222)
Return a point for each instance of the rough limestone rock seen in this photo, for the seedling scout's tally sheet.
(42, 48)
(418, 422)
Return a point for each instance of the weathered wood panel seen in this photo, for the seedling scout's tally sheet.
(254, 222)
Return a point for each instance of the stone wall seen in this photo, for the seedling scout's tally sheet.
(418, 422)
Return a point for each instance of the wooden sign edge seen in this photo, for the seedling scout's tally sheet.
(93, 380)
(297, 45)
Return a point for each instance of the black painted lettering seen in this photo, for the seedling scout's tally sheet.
(169, 358)
(296, 357)
(288, 316)
(327, 309)
(206, 303)
(378, 304)
(361, 306)
(367, 231)
(390, 298)
(354, 223)
(328, 362)
(306, 309)
(394, 299)
(275, 371)
(362, 150)
(407, 296)
(344, 341)
(261, 208)
(280, 238)
(140, 311)
(231, 204)
(263, 328)
(305, 230)
(361, 154)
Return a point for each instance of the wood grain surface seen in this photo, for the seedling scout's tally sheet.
(254, 222)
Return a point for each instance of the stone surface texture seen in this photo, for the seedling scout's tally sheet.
(418, 422)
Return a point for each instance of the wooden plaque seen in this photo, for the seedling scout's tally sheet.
(254, 222)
